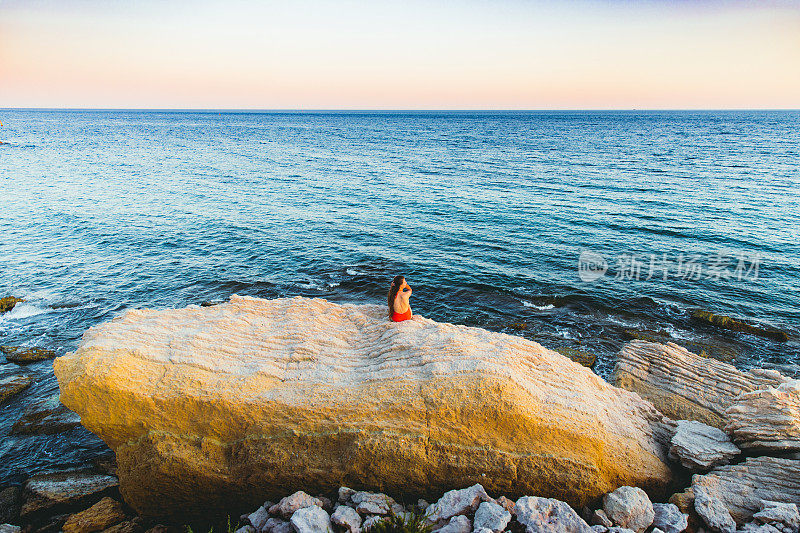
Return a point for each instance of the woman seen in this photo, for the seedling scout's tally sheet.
(399, 292)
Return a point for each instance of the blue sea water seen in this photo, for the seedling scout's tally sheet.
(486, 213)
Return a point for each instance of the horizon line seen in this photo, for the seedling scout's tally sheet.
(393, 110)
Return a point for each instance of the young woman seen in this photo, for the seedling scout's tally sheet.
(399, 292)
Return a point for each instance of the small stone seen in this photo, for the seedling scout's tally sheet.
(457, 524)
(656, 530)
(13, 385)
(629, 507)
(546, 515)
(291, 504)
(258, 518)
(271, 524)
(669, 519)
(246, 529)
(684, 501)
(422, 504)
(372, 502)
(370, 521)
(713, 512)
(8, 528)
(345, 493)
(782, 516)
(311, 519)
(98, 517)
(600, 518)
(347, 518)
(457, 502)
(491, 516)
(283, 527)
(700, 447)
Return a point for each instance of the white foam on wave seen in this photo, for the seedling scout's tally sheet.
(24, 310)
(526, 303)
(354, 272)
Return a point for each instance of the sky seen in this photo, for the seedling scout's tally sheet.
(374, 54)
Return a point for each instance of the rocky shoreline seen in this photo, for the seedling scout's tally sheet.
(729, 441)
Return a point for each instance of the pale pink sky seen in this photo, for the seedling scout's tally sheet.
(372, 54)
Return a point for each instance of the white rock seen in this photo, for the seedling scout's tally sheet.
(616, 529)
(246, 529)
(546, 515)
(311, 519)
(767, 419)
(283, 527)
(783, 516)
(290, 504)
(713, 511)
(345, 493)
(371, 521)
(274, 523)
(700, 447)
(491, 516)
(600, 518)
(348, 518)
(686, 386)
(629, 507)
(599, 528)
(754, 527)
(371, 502)
(742, 487)
(8, 528)
(669, 519)
(258, 518)
(483, 530)
(457, 502)
(422, 504)
(657, 530)
(457, 524)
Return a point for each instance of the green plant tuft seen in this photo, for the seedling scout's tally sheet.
(416, 523)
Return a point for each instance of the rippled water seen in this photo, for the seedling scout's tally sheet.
(485, 213)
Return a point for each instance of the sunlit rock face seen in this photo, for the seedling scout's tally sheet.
(217, 407)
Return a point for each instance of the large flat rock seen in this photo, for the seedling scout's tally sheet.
(216, 407)
(686, 386)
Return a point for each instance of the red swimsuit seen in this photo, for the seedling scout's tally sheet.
(399, 317)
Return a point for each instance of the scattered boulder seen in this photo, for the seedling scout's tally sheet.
(491, 516)
(669, 519)
(699, 447)
(683, 385)
(371, 503)
(371, 521)
(726, 322)
(782, 516)
(629, 507)
(258, 518)
(546, 515)
(7, 303)
(21, 355)
(457, 524)
(457, 502)
(104, 514)
(8, 528)
(284, 394)
(13, 385)
(767, 419)
(47, 492)
(290, 504)
(347, 518)
(311, 519)
(740, 488)
(713, 511)
(345, 493)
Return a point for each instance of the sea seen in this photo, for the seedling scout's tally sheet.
(580, 230)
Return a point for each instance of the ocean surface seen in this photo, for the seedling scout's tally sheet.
(489, 216)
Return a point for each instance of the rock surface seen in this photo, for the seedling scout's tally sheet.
(303, 393)
(457, 502)
(742, 487)
(546, 515)
(347, 518)
(767, 419)
(713, 511)
(104, 514)
(685, 386)
(13, 385)
(44, 492)
(21, 355)
(782, 516)
(290, 504)
(457, 524)
(491, 516)
(311, 519)
(699, 447)
(669, 519)
(629, 507)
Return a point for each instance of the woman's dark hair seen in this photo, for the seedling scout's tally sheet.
(395, 286)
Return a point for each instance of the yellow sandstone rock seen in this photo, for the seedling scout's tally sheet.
(221, 407)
